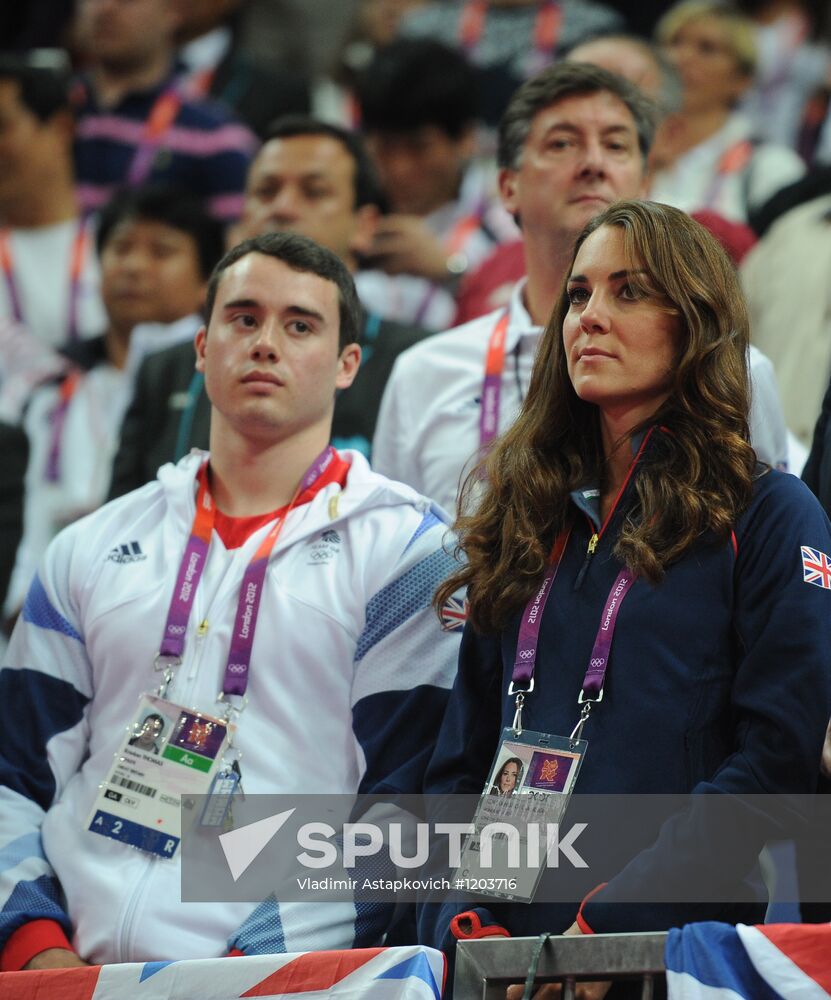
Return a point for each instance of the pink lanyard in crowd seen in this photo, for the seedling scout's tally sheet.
(77, 257)
(57, 419)
(161, 117)
(734, 159)
(190, 573)
(546, 27)
(492, 384)
(454, 246)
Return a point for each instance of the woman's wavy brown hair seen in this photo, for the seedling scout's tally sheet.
(694, 479)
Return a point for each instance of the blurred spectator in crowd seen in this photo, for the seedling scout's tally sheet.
(135, 123)
(510, 40)
(418, 108)
(214, 65)
(638, 61)
(309, 178)
(708, 155)
(14, 447)
(793, 62)
(489, 285)
(50, 275)
(156, 248)
(787, 282)
(374, 25)
(573, 140)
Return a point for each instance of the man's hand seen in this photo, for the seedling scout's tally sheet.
(583, 991)
(403, 244)
(55, 958)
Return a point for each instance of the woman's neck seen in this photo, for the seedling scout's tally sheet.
(616, 437)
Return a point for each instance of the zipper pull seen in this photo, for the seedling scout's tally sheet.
(201, 632)
(585, 567)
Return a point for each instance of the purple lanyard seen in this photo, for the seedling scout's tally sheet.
(158, 123)
(190, 573)
(529, 630)
(492, 382)
(57, 420)
(77, 258)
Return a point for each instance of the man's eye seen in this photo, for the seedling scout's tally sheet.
(245, 320)
(299, 326)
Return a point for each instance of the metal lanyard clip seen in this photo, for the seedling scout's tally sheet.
(584, 715)
(167, 664)
(517, 723)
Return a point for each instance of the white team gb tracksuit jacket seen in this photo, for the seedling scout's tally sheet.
(346, 641)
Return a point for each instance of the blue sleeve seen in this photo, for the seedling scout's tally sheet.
(780, 703)
(405, 661)
(45, 686)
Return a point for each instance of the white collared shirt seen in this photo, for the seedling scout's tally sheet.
(427, 434)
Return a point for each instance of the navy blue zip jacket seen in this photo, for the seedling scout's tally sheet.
(719, 681)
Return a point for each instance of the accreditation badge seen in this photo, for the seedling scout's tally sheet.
(519, 814)
(168, 755)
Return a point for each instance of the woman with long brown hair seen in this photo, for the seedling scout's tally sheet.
(625, 512)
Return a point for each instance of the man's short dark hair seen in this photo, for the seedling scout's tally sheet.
(414, 82)
(304, 255)
(367, 188)
(171, 206)
(44, 85)
(554, 84)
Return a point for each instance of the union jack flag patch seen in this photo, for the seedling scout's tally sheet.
(453, 615)
(816, 567)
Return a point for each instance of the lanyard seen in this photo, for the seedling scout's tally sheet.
(161, 117)
(492, 383)
(734, 159)
(525, 661)
(529, 630)
(78, 254)
(591, 690)
(546, 26)
(57, 419)
(454, 246)
(197, 85)
(190, 573)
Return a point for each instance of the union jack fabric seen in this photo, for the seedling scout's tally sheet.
(713, 961)
(453, 615)
(412, 973)
(816, 567)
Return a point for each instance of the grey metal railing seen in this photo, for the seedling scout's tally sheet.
(485, 967)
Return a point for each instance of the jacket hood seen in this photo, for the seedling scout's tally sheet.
(365, 490)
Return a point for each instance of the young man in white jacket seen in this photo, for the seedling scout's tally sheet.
(287, 576)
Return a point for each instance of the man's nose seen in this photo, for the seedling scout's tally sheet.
(592, 160)
(266, 344)
(135, 260)
(285, 205)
